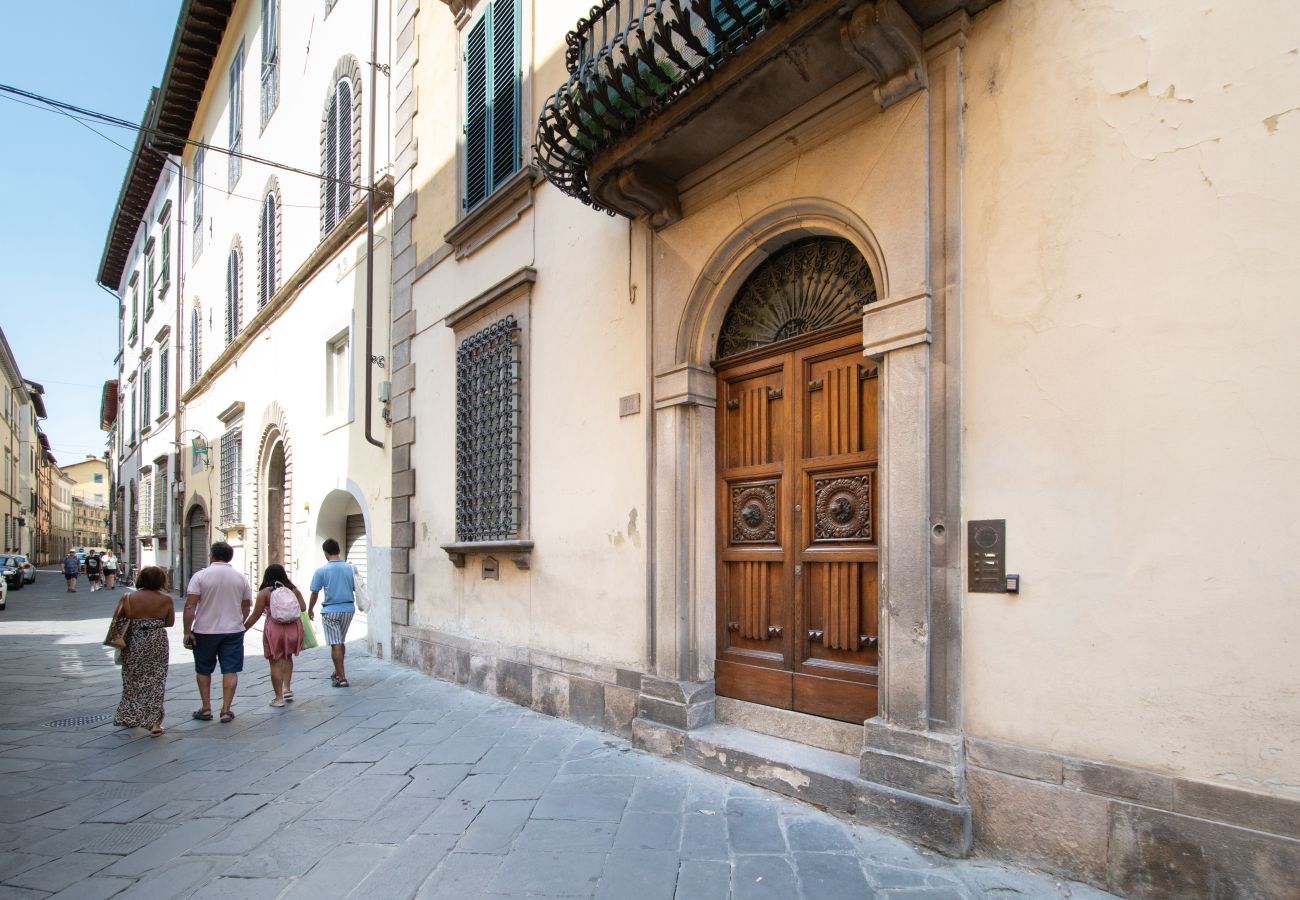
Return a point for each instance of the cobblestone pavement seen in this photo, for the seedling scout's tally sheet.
(401, 786)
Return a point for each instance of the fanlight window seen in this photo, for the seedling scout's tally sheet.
(810, 285)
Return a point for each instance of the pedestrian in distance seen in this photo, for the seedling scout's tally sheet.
(283, 606)
(146, 614)
(93, 568)
(71, 569)
(217, 603)
(338, 580)
(110, 569)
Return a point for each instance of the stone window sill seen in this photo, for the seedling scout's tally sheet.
(520, 552)
(494, 214)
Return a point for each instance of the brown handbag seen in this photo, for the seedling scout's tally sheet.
(120, 627)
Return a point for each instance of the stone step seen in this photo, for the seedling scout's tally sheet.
(824, 778)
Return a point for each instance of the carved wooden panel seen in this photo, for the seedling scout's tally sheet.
(751, 587)
(842, 508)
(754, 513)
(842, 403)
(842, 614)
(755, 411)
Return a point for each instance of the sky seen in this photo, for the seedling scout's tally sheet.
(58, 189)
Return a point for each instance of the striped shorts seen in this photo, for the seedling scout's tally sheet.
(336, 626)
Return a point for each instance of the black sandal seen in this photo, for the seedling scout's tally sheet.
(203, 715)
(341, 682)
(227, 717)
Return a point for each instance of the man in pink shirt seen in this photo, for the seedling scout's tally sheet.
(217, 602)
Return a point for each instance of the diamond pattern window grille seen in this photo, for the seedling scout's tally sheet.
(488, 434)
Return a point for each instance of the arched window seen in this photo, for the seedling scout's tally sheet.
(267, 253)
(336, 155)
(232, 295)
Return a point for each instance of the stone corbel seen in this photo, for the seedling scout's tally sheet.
(459, 9)
(685, 385)
(882, 36)
(640, 190)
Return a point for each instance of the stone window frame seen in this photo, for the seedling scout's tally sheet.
(347, 69)
(265, 290)
(230, 510)
(512, 296)
(234, 291)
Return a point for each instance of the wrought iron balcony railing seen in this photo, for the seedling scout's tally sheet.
(627, 61)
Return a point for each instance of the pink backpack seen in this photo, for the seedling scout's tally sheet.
(284, 605)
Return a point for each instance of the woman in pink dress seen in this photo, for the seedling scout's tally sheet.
(281, 641)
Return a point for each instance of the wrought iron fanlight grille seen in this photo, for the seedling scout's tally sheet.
(810, 285)
(488, 431)
(628, 60)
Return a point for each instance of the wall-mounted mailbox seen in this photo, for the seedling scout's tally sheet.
(986, 557)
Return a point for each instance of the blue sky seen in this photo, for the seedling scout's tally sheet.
(59, 183)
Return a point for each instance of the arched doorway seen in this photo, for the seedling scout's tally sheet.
(343, 518)
(797, 485)
(274, 506)
(196, 539)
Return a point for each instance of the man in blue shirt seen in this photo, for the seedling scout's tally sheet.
(338, 579)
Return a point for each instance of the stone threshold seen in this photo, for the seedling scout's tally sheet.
(824, 778)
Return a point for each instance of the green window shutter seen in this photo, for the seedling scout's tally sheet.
(505, 90)
(476, 112)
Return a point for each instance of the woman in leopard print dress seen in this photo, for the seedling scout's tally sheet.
(150, 612)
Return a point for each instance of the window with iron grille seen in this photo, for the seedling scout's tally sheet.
(232, 296)
(488, 434)
(266, 251)
(236, 115)
(159, 521)
(336, 155)
(270, 58)
(145, 396)
(197, 186)
(145, 503)
(231, 489)
(164, 357)
(493, 149)
(196, 322)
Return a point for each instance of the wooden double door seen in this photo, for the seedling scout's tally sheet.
(798, 552)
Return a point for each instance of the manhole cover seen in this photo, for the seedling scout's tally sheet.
(78, 721)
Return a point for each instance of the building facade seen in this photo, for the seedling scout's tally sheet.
(843, 440)
(280, 334)
(16, 424)
(61, 534)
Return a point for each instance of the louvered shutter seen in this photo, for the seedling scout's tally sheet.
(476, 113)
(329, 164)
(272, 231)
(505, 90)
(343, 169)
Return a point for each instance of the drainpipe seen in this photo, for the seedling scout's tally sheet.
(178, 471)
(370, 224)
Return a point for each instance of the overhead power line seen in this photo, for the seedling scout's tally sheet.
(74, 111)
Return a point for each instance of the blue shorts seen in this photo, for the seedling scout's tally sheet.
(209, 648)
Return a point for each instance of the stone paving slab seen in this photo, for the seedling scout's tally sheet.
(400, 786)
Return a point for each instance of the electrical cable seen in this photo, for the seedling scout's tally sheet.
(66, 108)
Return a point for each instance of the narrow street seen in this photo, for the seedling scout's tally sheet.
(401, 786)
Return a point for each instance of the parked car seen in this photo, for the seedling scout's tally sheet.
(4, 593)
(13, 575)
(28, 570)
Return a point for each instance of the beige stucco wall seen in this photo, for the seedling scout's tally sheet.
(1132, 186)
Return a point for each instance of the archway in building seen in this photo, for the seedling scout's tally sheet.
(274, 506)
(797, 484)
(343, 517)
(196, 540)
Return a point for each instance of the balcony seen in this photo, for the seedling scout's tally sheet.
(658, 88)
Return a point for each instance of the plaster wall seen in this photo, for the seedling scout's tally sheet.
(1132, 185)
(584, 594)
(281, 375)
